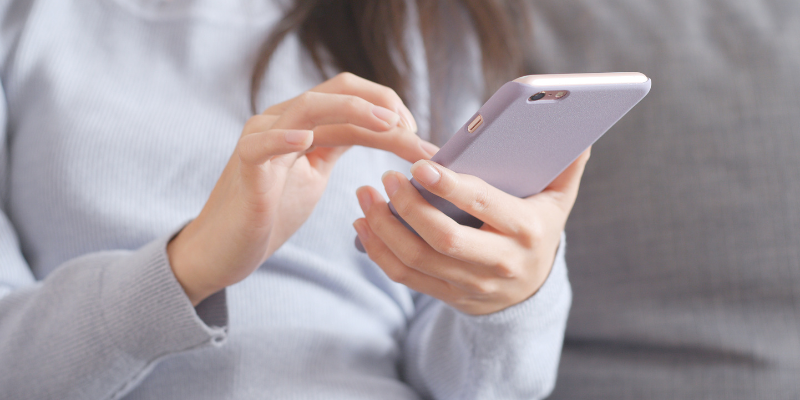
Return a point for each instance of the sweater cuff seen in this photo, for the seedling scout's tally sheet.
(552, 300)
(148, 314)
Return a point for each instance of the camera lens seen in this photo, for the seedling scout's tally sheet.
(537, 96)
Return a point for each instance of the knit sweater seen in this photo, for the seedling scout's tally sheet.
(117, 118)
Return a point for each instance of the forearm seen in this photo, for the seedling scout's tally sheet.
(95, 326)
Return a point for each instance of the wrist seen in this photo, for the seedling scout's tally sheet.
(185, 257)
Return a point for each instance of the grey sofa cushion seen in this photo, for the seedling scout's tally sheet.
(684, 245)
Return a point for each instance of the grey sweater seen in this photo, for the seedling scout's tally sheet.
(116, 119)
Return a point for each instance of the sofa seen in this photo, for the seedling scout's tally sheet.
(684, 244)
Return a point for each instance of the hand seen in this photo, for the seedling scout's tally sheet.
(477, 271)
(278, 172)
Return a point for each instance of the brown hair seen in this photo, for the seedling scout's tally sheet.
(361, 36)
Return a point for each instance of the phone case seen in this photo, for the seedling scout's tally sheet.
(521, 146)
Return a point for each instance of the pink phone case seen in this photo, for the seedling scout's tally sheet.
(521, 146)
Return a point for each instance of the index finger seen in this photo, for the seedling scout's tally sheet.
(397, 140)
(350, 84)
(472, 195)
(384, 96)
(312, 109)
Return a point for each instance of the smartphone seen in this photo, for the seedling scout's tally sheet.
(531, 130)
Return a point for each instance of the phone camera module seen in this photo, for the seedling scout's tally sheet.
(537, 96)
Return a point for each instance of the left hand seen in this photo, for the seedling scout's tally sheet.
(477, 271)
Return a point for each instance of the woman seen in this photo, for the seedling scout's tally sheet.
(126, 275)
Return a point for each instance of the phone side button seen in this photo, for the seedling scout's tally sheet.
(475, 124)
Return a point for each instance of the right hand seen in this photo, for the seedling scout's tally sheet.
(278, 172)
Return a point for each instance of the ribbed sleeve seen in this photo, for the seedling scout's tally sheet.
(98, 324)
(511, 354)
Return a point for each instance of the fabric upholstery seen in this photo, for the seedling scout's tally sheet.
(685, 240)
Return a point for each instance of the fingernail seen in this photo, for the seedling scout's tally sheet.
(387, 115)
(390, 183)
(425, 173)
(364, 199)
(359, 245)
(408, 119)
(361, 230)
(404, 122)
(428, 147)
(403, 118)
(296, 136)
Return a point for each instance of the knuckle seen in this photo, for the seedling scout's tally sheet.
(377, 255)
(245, 151)
(403, 207)
(531, 234)
(505, 269)
(249, 125)
(302, 100)
(346, 78)
(464, 303)
(398, 274)
(303, 107)
(256, 123)
(389, 93)
(353, 104)
(482, 199)
(482, 286)
(414, 257)
(378, 224)
(448, 242)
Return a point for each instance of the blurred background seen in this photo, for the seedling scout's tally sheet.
(684, 245)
